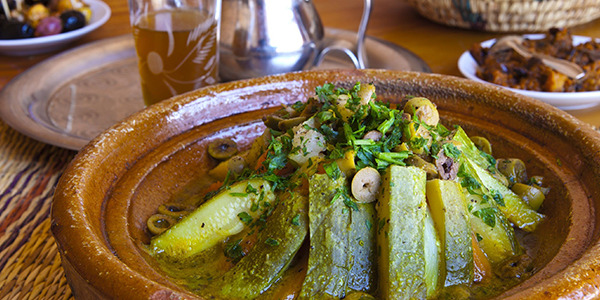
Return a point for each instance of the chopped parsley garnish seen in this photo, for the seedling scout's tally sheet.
(238, 194)
(380, 225)
(245, 217)
(468, 181)
(451, 151)
(251, 190)
(296, 220)
(272, 242)
(387, 124)
(396, 158)
(498, 197)
(350, 203)
(491, 160)
(487, 215)
(332, 170)
(254, 207)
(233, 250)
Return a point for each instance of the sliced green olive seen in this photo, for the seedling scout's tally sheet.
(530, 194)
(482, 144)
(424, 109)
(175, 210)
(544, 190)
(158, 223)
(286, 124)
(515, 267)
(222, 149)
(537, 180)
(272, 121)
(373, 135)
(236, 164)
(365, 185)
(513, 168)
(417, 161)
(417, 138)
(309, 109)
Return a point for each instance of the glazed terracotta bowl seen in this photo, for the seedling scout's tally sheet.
(117, 181)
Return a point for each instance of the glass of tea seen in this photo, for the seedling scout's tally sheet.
(177, 45)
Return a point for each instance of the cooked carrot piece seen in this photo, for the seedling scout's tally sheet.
(483, 268)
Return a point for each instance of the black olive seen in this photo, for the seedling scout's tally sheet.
(33, 2)
(13, 29)
(72, 20)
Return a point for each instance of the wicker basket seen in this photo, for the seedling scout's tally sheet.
(509, 15)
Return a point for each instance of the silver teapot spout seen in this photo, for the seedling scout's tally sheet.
(264, 37)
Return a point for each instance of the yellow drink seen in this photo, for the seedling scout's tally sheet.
(177, 52)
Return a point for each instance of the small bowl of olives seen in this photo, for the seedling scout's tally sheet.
(29, 27)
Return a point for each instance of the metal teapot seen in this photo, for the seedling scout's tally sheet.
(264, 37)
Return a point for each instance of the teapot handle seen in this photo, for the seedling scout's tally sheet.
(356, 52)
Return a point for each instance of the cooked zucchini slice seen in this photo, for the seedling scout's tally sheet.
(277, 245)
(449, 210)
(402, 210)
(341, 241)
(515, 209)
(222, 216)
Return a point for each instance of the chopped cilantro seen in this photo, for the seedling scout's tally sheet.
(251, 190)
(470, 183)
(272, 242)
(238, 194)
(380, 225)
(385, 126)
(233, 250)
(491, 160)
(498, 197)
(487, 215)
(418, 142)
(245, 217)
(393, 157)
(442, 130)
(350, 203)
(296, 220)
(332, 170)
(451, 151)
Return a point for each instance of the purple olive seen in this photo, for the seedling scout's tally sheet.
(49, 26)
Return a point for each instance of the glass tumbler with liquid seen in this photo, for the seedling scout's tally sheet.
(176, 44)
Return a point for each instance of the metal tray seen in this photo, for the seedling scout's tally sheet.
(70, 98)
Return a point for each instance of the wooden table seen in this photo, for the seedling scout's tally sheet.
(392, 20)
(29, 170)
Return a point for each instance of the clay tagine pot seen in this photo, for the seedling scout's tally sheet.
(118, 180)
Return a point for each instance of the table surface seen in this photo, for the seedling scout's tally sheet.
(30, 169)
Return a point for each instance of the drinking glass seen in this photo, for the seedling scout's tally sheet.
(177, 45)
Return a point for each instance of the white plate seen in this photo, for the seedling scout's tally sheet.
(567, 101)
(38, 45)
